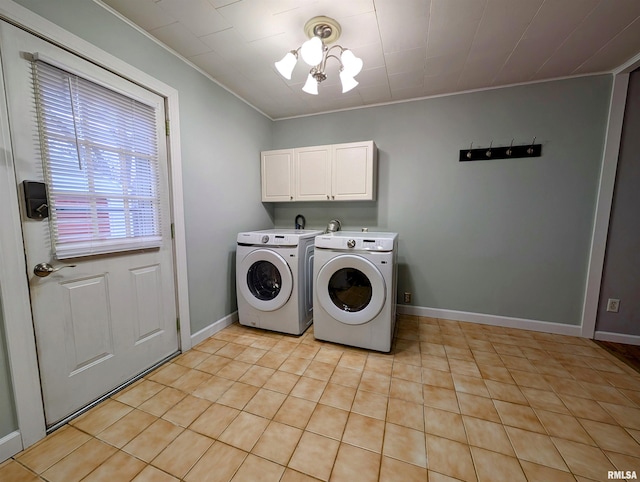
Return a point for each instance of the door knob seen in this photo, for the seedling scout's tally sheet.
(45, 269)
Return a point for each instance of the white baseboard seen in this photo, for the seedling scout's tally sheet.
(617, 337)
(10, 445)
(213, 328)
(496, 320)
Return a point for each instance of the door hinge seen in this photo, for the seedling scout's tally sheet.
(173, 230)
(166, 127)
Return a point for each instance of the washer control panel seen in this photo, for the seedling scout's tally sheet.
(276, 237)
(271, 239)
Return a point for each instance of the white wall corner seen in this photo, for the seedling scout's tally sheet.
(213, 328)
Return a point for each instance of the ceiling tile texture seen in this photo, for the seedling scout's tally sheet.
(410, 48)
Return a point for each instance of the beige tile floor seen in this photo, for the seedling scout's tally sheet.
(453, 401)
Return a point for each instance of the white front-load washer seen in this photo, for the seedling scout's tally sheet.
(355, 278)
(274, 279)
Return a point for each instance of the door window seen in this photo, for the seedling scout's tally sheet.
(264, 280)
(350, 289)
(101, 163)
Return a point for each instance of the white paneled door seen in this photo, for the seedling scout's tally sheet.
(99, 320)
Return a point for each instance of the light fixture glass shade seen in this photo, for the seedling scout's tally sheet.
(348, 82)
(311, 86)
(352, 65)
(311, 51)
(286, 65)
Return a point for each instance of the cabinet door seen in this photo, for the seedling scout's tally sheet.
(354, 171)
(277, 175)
(312, 173)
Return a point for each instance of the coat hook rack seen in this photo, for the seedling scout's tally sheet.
(509, 152)
(506, 152)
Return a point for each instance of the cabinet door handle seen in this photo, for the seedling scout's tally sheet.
(291, 198)
(333, 197)
(327, 196)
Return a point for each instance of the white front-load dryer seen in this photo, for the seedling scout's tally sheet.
(355, 277)
(274, 279)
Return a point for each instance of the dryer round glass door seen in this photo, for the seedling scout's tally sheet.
(351, 289)
(265, 280)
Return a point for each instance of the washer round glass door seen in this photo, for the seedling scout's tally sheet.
(351, 289)
(265, 280)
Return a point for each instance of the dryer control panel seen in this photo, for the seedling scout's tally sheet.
(348, 241)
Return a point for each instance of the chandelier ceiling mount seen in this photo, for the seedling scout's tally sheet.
(324, 27)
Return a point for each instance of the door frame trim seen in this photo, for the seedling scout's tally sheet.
(606, 186)
(21, 345)
(602, 214)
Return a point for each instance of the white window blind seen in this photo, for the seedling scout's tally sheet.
(100, 151)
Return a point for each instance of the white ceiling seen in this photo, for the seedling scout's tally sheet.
(410, 48)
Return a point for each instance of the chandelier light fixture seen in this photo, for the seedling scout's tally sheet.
(315, 53)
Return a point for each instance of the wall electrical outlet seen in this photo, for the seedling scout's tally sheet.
(613, 305)
(407, 297)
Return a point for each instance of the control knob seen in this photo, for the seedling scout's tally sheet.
(265, 238)
(351, 243)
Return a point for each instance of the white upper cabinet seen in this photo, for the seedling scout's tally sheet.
(312, 173)
(277, 175)
(339, 172)
(353, 171)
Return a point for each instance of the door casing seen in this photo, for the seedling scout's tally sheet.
(18, 323)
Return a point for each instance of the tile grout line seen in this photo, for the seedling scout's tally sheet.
(449, 332)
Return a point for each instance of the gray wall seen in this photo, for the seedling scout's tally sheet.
(500, 237)
(621, 278)
(221, 138)
(8, 421)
